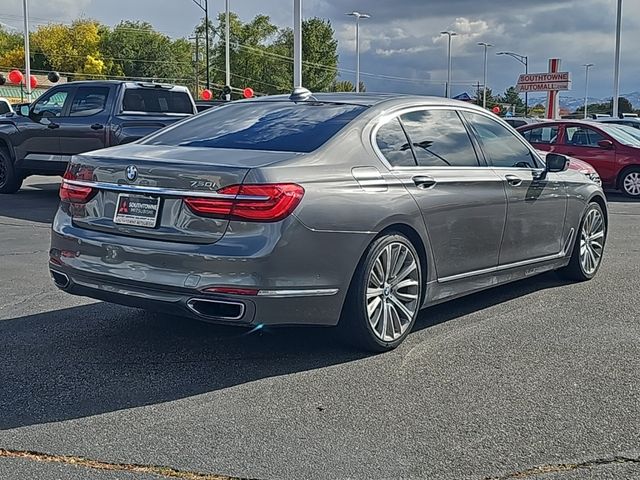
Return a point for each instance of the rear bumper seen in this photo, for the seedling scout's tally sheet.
(302, 276)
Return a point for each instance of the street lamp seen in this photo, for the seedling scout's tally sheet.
(523, 59)
(227, 61)
(27, 59)
(449, 34)
(358, 16)
(484, 88)
(616, 74)
(586, 66)
(204, 6)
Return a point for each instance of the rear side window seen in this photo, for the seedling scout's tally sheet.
(89, 101)
(541, 135)
(275, 126)
(439, 138)
(392, 142)
(156, 100)
(4, 107)
(502, 148)
(582, 137)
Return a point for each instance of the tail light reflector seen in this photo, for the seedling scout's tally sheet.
(232, 290)
(269, 202)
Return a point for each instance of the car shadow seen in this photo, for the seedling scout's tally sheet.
(38, 203)
(615, 196)
(99, 358)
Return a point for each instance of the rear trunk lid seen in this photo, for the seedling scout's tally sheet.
(141, 188)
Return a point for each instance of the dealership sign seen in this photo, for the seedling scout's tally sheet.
(544, 82)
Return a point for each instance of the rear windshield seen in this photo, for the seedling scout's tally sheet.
(156, 100)
(275, 126)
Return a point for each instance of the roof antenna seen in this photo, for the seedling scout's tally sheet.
(301, 94)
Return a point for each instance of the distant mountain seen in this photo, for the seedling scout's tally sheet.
(573, 103)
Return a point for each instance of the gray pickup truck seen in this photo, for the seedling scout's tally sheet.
(79, 117)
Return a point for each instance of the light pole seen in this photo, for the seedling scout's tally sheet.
(227, 60)
(297, 43)
(616, 73)
(484, 88)
(449, 34)
(27, 60)
(358, 16)
(204, 6)
(523, 59)
(586, 66)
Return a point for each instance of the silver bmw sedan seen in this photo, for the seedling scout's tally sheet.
(326, 209)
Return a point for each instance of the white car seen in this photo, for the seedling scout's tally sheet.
(5, 106)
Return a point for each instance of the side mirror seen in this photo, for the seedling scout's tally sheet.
(608, 144)
(556, 163)
(24, 110)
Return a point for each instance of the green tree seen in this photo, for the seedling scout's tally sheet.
(11, 49)
(492, 101)
(346, 86)
(319, 54)
(511, 96)
(134, 49)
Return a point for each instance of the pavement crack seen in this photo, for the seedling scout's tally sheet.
(566, 467)
(161, 471)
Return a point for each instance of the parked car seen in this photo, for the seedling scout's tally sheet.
(5, 106)
(610, 149)
(516, 122)
(626, 121)
(356, 210)
(81, 116)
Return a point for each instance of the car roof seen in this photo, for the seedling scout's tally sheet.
(367, 99)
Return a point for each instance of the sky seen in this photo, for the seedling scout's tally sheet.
(401, 46)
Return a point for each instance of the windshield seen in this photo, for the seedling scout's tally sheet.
(276, 126)
(622, 134)
(634, 132)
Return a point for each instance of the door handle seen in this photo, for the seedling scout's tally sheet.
(97, 126)
(424, 181)
(513, 180)
(53, 125)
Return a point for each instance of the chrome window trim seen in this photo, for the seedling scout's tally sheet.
(390, 115)
(167, 192)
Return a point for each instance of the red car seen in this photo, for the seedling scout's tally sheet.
(612, 151)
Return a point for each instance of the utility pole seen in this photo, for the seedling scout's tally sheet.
(227, 59)
(449, 34)
(204, 6)
(616, 73)
(297, 43)
(358, 16)
(484, 88)
(196, 61)
(27, 59)
(586, 66)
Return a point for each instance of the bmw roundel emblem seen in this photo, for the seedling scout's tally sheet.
(132, 173)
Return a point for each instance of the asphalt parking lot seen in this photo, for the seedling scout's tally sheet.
(539, 379)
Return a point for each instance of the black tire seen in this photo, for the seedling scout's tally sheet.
(627, 176)
(354, 323)
(575, 270)
(10, 178)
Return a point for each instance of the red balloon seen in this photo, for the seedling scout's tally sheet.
(15, 76)
(247, 92)
(496, 109)
(206, 94)
(33, 81)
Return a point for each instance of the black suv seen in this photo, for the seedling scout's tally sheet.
(79, 117)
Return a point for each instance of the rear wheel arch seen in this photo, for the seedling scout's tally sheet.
(5, 147)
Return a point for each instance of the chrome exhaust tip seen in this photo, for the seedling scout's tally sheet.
(60, 279)
(216, 309)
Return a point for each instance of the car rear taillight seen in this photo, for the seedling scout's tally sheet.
(70, 192)
(269, 202)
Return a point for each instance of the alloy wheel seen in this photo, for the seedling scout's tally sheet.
(631, 184)
(592, 238)
(393, 291)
